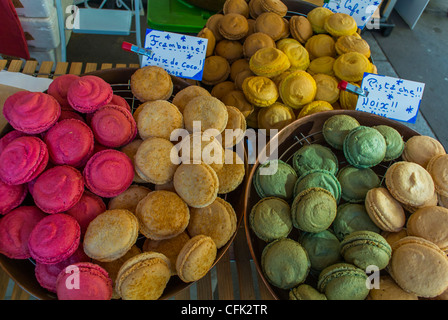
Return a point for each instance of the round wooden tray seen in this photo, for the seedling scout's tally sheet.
(22, 270)
(307, 130)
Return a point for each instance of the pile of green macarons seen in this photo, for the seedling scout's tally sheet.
(319, 239)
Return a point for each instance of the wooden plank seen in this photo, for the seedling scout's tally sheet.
(120, 65)
(134, 65)
(204, 287)
(105, 66)
(30, 67)
(19, 294)
(61, 68)
(45, 69)
(15, 66)
(242, 260)
(4, 281)
(76, 68)
(3, 64)
(224, 277)
(264, 292)
(90, 67)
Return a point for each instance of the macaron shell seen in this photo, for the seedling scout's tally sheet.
(108, 173)
(88, 93)
(59, 86)
(352, 217)
(386, 212)
(33, 154)
(54, 238)
(31, 112)
(275, 179)
(70, 142)
(113, 126)
(58, 189)
(86, 209)
(15, 230)
(11, 196)
(94, 283)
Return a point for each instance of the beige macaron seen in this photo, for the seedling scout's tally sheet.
(410, 183)
(386, 212)
(200, 147)
(437, 168)
(235, 129)
(430, 223)
(143, 277)
(185, 95)
(169, 247)
(232, 174)
(159, 119)
(154, 160)
(420, 149)
(224, 222)
(129, 198)
(162, 215)
(205, 113)
(392, 237)
(300, 28)
(130, 150)
(196, 258)
(151, 83)
(419, 266)
(389, 290)
(196, 184)
(110, 235)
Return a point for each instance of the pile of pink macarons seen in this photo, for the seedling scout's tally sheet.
(57, 166)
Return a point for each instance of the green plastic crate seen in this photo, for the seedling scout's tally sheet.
(176, 16)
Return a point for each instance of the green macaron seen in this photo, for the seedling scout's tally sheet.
(355, 183)
(285, 263)
(394, 142)
(366, 248)
(314, 156)
(323, 248)
(336, 128)
(352, 217)
(313, 210)
(364, 147)
(305, 292)
(275, 178)
(343, 281)
(321, 179)
(270, 219)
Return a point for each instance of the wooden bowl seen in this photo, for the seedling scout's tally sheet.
(307, 130)
(22, 270)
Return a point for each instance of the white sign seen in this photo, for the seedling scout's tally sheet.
(180, 55)
(361, 10)
(390, 97)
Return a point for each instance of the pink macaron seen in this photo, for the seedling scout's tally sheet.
(31, 112)
(120, 101)
(108, 173)
(23, 159)
(84, 281)
(15, 230)
(113, 126)
(11, 196)
(54, 238)
(88, 208)
(70, 114)
(70, 142)
(59, 87)
(10, 136)
(47, 274)
(58, 189)
(88, 93)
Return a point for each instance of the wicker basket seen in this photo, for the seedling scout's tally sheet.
(22, 271)
(307, 130)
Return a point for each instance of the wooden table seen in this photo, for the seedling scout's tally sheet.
(234, 277)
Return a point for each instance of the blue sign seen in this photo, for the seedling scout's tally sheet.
(393, 98)
(180, 55)
(361, 10)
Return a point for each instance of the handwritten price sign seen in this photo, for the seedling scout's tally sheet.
(180, 55)
(390, 97)
(361, 10)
